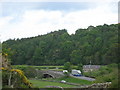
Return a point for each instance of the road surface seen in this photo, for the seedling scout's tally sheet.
(83, 77)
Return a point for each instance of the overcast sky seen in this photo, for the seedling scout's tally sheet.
(28, 19)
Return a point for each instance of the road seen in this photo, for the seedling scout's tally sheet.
(83, 77)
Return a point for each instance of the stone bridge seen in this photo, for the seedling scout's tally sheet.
(51, 74)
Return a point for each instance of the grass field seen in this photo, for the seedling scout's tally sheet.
(35, 66)
(42, 67)
(75, 80)
(43, 84)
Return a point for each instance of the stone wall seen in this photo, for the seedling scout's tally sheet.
(99, 85)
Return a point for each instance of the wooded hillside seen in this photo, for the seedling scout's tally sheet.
(96, 44)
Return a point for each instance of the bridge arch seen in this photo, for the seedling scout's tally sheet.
(47, 75)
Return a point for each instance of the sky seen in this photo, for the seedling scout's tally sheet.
(32, 18)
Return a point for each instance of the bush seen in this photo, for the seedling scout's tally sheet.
(108, 74)
(67, 74)
(30, 72)
(14, 78)
(114, 65)
(68, 66)
(80, 67)
(115, 84)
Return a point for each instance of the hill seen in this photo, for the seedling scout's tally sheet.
(96, 44)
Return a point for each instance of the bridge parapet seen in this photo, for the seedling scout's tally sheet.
(54, 74)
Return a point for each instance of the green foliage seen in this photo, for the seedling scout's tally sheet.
(107, 73)
(115, 84)
(30, 72)
(66, 74)
(76, 56)
(80, 67)
(23, 67)
(14, 78)
(98, 44)
(67, 66)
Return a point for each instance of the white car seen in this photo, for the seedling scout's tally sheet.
(65, 71)
(63, 81)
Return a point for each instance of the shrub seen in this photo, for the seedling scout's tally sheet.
(67, 74)
(115, 84)
(68, 66)
(14, 78)
(30, 72)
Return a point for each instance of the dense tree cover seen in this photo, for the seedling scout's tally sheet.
(96, 44)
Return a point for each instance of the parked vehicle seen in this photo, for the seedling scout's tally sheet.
(65, 71)
(76, 73)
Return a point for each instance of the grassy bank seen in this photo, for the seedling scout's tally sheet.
(38, 67)
(43, 84)
(75, 80)
(42, 67)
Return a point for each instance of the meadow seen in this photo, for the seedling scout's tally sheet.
(75, 80)
(43, 84)
(56, 68)
(56, 82)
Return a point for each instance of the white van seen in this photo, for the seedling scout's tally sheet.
(76, 72)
